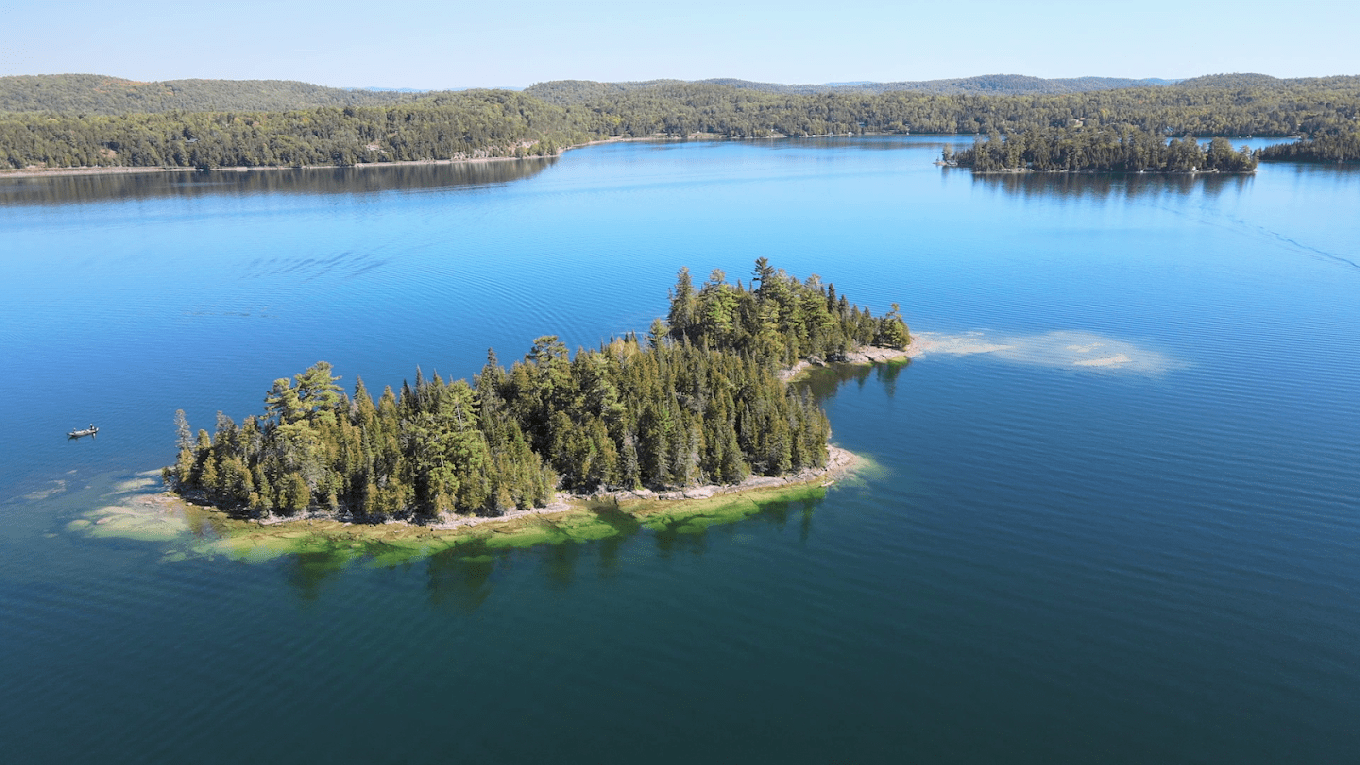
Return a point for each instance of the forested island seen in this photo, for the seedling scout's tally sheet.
(1338, 147)
(696, 401)
(1120, 148)
(82, 121)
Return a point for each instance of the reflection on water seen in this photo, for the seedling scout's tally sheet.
(364, 179)
(306, 572)
(461, 578)
(824, 382)
(1102, 186)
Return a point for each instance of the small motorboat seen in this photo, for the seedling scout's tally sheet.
(91, 431)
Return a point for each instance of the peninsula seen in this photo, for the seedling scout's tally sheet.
(695, 408)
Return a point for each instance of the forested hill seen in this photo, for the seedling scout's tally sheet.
(98, 94)
(1010, 85)
(93, 94)
(547, 117)
(1237, 106)
(103, 95)
(462, 125)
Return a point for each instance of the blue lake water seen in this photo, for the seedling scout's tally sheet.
(1115, 513)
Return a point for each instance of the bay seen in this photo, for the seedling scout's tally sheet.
(1052, 560)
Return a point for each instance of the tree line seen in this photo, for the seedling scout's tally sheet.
(456, 126)
(547, 117)
(1341, 147)
(1120, 148)
(695, 402)
(1218, 105)
(94, 94)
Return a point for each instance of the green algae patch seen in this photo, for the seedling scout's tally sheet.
(695, 515)
(191, 531)
(392, 544)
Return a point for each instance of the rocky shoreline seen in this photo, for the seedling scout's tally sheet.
(839, 462)
(869, 354)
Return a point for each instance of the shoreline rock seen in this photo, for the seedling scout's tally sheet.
(869, 354)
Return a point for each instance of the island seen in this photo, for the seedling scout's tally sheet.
(697, 409)
(1340, 146)
(1100, 148)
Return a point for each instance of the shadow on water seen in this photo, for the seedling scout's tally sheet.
(306, 572)
(625, 527)
(677, 535)
(188, 184)
(809, 506)
(460, 578)
(559, 562)
(824, 382)
(778, 514)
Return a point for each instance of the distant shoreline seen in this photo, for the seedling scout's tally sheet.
(44, 172)
(35, 172)
(124, 170)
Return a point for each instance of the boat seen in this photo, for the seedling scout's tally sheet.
(91, 431)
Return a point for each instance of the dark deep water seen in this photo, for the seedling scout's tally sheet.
(1153, 560)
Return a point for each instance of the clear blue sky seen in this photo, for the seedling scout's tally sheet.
(453, 44)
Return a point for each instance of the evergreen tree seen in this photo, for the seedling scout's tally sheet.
(699, 403)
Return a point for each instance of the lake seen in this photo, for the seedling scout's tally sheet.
(1113, 513)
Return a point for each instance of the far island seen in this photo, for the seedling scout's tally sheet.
(698, 402)
(1102, 148)
(1340, 146)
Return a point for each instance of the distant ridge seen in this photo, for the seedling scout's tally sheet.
(100, 94)
(988, 84)
(93, 94)
(568, 91)
(1234, 80)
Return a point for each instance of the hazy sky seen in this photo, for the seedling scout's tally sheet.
(453, 44)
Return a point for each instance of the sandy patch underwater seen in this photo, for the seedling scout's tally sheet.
(1061, 349)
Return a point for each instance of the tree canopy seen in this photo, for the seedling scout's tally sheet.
(698, 401)
(1111, 148)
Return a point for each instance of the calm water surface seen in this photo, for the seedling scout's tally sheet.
(1147, 560)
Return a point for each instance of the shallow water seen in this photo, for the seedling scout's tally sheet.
(1149, 560)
